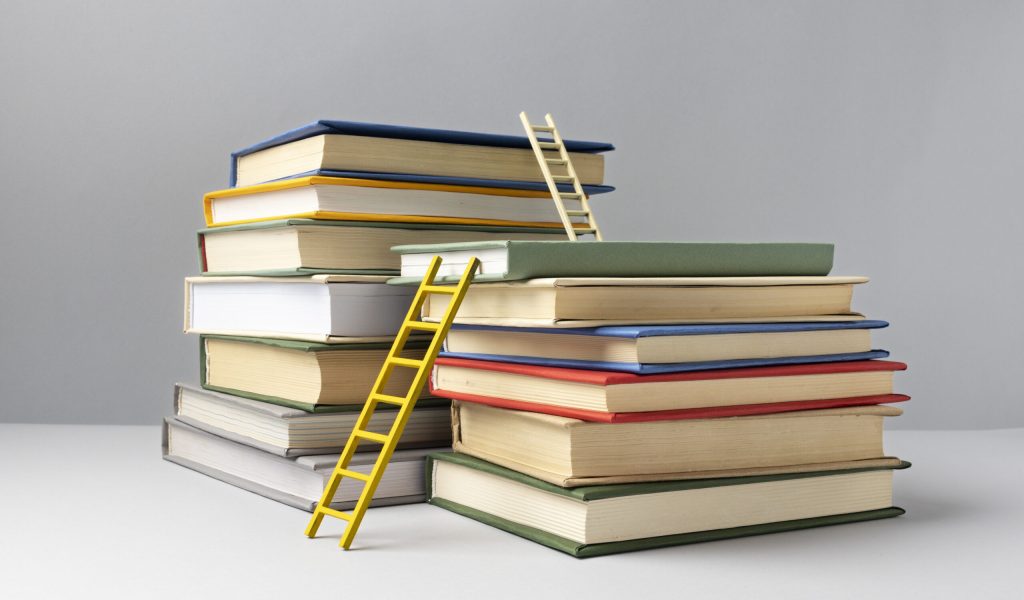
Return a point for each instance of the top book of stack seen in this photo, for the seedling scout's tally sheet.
(438, 156)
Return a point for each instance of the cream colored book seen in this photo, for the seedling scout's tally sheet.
(595, 301)
(570, 452)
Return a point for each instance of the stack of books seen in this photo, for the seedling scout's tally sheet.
(293, 310)
(616, 396)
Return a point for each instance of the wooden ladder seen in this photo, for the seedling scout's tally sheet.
(405, 403)
(546, 161)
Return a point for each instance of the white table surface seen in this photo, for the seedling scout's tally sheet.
(93, 511)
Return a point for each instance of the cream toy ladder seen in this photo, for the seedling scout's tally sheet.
(546, 161)
(404, 403)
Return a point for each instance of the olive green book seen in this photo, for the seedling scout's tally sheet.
(515, 260)
(610, 519)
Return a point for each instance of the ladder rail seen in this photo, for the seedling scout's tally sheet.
(389, 442)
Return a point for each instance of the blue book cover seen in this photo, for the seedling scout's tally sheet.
(325, 126)
(638, 331)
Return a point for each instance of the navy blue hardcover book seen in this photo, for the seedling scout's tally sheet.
(640, 331)
(326, 126)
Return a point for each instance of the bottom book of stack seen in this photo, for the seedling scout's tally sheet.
(607, 519)
(287, 455)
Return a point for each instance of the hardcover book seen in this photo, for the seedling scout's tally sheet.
(308, 246)
(512, 260)
(298, 481)
(318, 308)
(648, 349)
(608, 519)
(345, 199)
(305, 375)
(570, 452)
(615, 392)
(599, 301)
(292, 432)
(353, 146)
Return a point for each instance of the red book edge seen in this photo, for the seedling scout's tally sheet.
(670, 415)
(615, 378)
(202, 253)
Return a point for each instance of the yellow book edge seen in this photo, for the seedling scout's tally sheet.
(405, 185)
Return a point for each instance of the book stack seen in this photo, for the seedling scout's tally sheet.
(616, 396)
(292, 308)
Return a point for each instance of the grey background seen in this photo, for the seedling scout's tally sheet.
(892, 129)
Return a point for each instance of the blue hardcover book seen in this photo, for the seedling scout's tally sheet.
(652, 349)
(400, 132)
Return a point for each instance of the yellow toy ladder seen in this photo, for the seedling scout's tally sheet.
(546, 161)
(405, 403)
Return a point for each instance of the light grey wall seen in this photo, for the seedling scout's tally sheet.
(894, 129)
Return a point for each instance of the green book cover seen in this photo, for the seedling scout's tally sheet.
(588, 493)
(304, 347)
(513, 260)
(282, 223)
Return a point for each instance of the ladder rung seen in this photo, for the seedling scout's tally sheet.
(412, 363)
(542, 127)
(577, 213)
(563, 178)
(336, 513)
(353, 474)
(584, 231)
(388, 399)
(554, 161)
(569, 194)
(424, 325)
(549, 145)
(380, 438)
(439, 289)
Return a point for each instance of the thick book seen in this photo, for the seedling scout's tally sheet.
(548, 388)
(378, 148)
(319, 308)
(293, 432)
(609, 519)
(310, 246)
(599, 301)
(370, 200)
(309, 376)
(570, 452)
(649, 349)
(514, 260)
(297, 481)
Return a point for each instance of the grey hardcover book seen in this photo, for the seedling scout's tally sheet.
(292, 432)
(298, 481)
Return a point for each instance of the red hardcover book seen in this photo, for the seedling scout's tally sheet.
(608, 378)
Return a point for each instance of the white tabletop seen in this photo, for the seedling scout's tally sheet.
(94, 509)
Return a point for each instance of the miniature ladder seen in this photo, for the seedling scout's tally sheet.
(405, 403)
(546, 161)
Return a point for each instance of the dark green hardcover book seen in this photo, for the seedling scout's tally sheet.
(310, 349)
(289, 247)
(512, 260)
(610, 519)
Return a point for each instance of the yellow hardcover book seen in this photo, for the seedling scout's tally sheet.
(349, 199)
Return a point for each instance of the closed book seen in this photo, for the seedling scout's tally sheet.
(599, 301)
(308, 246)
(513, 260)
(374, 147)
(290, 432)
(372, 200)
(609, 519)
(616, 392)
(319, 308)
(570, 452)
(648, 349)
(309, 376)
(296, 481)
